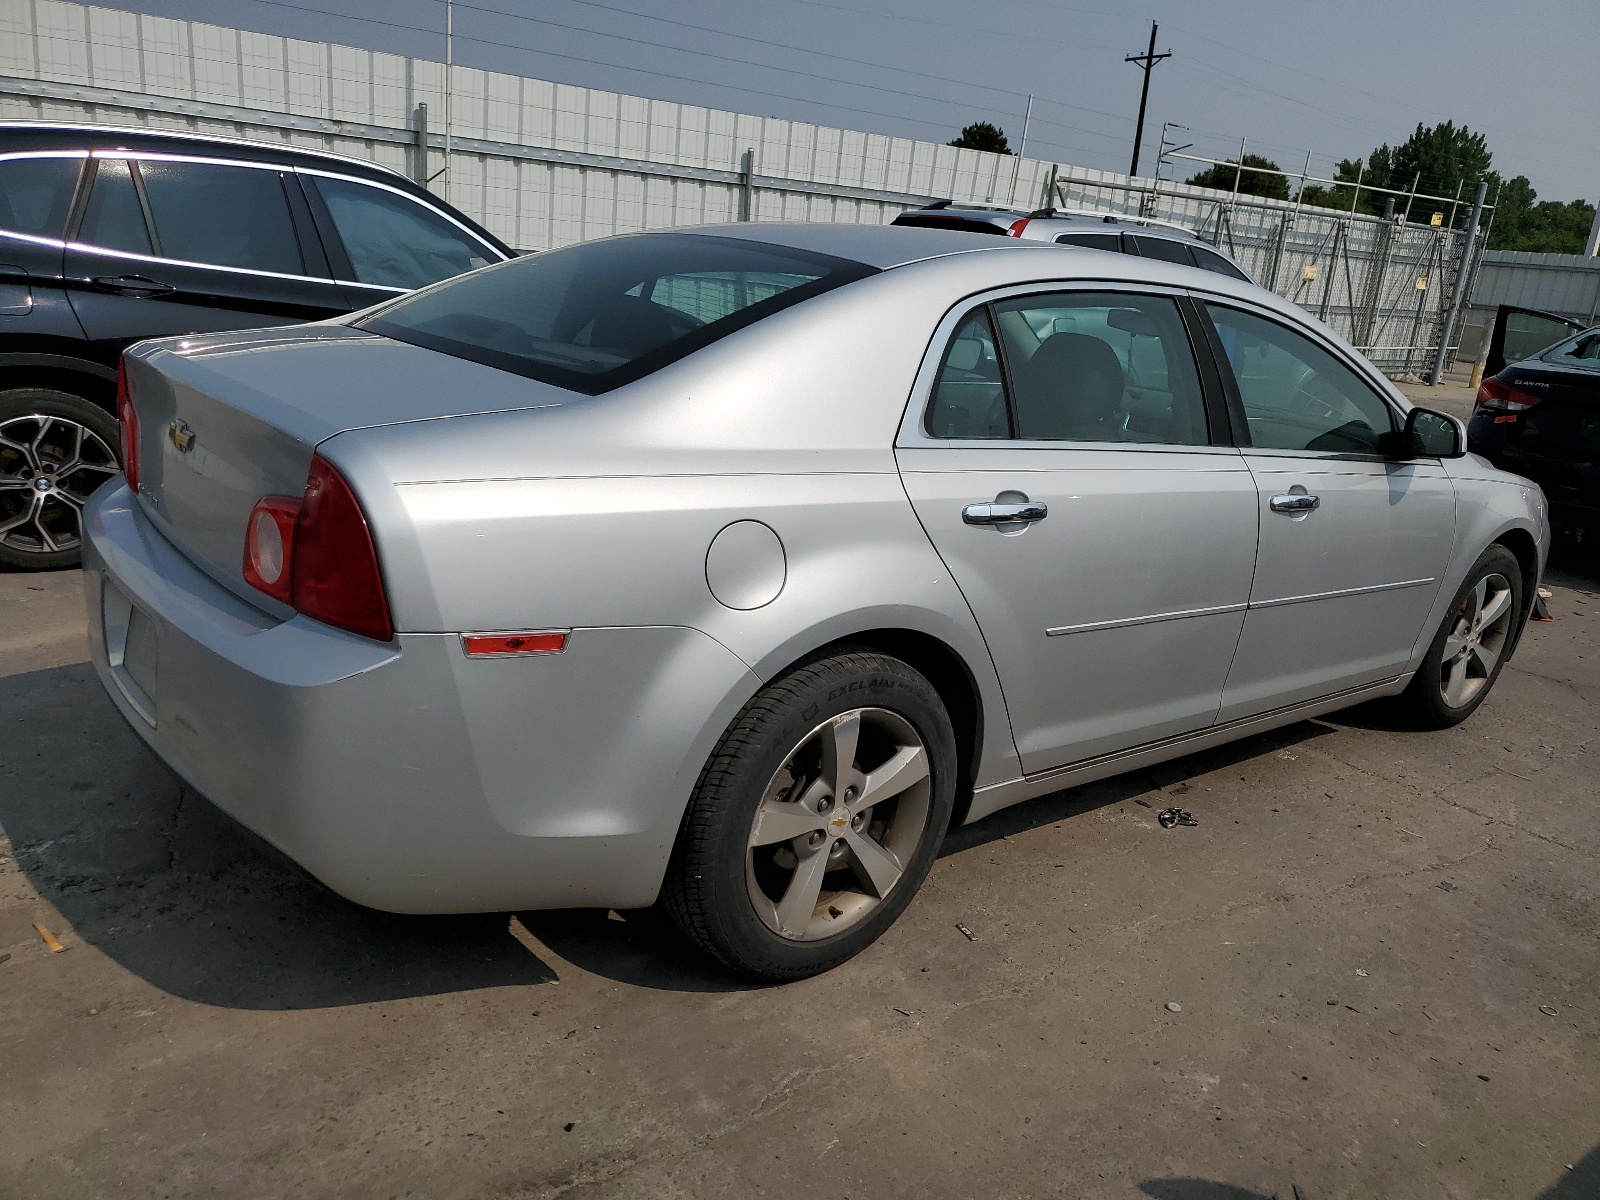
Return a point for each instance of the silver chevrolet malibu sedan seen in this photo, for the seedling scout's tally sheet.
(727, 568)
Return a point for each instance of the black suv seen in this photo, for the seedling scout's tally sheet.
(108, 236)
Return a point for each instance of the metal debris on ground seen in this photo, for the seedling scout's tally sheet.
(1168, 817)
(1174, 1006)
(1361, 973)
(970, 936)
(1181, 789)
(1447, 887)
(1546, 1009)
(906, 1012)
(1143, 803)
(51, 942)
(1541, 611)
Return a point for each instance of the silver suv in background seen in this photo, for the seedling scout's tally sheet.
(1142, 236)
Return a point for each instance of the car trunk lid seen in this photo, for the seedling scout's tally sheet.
(227, 419)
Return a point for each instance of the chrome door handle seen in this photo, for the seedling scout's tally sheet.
(1297, 503)
(996, 513)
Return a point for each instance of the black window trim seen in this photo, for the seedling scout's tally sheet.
(79, 194)
(845, 271)
(1230, 383)
(1219, 434)
(131, 157)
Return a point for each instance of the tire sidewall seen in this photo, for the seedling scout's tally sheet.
(836, 685)
(1496, 560)
(17, 402)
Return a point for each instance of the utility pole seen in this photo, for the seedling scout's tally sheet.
(1145, 61)
(1459, 295)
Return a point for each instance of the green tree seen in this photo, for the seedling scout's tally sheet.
(1251, 183)
(1523, 222)
(981, 135)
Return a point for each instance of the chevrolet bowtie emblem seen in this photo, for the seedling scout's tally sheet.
(181, 436)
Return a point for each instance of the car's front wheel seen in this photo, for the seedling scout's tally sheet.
(817, 817)
(1469, 649)
(55, 450)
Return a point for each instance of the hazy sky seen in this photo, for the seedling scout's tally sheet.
(1331, 79)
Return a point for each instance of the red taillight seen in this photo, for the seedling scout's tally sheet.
(1017, 227)
(1506, 401)
(317, 555)
(269, 546)
(127, 428)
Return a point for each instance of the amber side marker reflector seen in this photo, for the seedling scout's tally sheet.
(500, 645)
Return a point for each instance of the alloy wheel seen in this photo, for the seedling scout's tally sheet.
(838, 824)
(49, 467)
(1476, 640)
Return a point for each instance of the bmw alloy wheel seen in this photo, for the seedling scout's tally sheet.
(49, 466)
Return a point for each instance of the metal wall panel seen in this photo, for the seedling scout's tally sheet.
(544, 164)
(1568, 284)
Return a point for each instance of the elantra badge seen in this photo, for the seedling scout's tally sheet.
(181, 436)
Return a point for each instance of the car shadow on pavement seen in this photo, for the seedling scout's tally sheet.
(1158, 786)
(168, 887)
(1199, 1189)
(1580, 1182)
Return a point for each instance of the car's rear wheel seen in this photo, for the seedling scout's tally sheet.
(817, 817)
(1469, 649)
(55, 450)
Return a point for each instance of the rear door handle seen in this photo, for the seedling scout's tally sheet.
(132, 285)
(1296, 503)
(997, 513)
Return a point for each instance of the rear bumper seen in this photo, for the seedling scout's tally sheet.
(403, 775)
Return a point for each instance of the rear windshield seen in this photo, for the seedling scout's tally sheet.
(965, 224)
(596, 316)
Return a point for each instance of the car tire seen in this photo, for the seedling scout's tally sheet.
(71, 444)
(776, 873)
(1468, 650)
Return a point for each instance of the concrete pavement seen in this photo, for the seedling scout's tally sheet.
(1384, 948)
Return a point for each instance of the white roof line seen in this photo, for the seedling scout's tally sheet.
(202, 137)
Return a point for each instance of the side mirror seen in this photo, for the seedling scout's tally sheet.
(1427, 434)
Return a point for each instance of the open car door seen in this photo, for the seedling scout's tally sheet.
(1521, 333)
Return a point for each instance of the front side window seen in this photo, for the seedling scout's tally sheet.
(595, 316)
(1582, 351)
(114, 218)
(969, 399)
(222, 216)
(1298, 396)
(35, 194)
(393, 241)
(1101, 367)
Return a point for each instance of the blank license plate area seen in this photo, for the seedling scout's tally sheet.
(131, 648)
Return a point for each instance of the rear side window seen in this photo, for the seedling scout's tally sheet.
(114, 218)
(393, 241)
(968, 399)
(1210, 260)
(221, 216)
(1094, 241)
(1080, 367)
(595, 316)
(1165, 249)
(35, 194)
